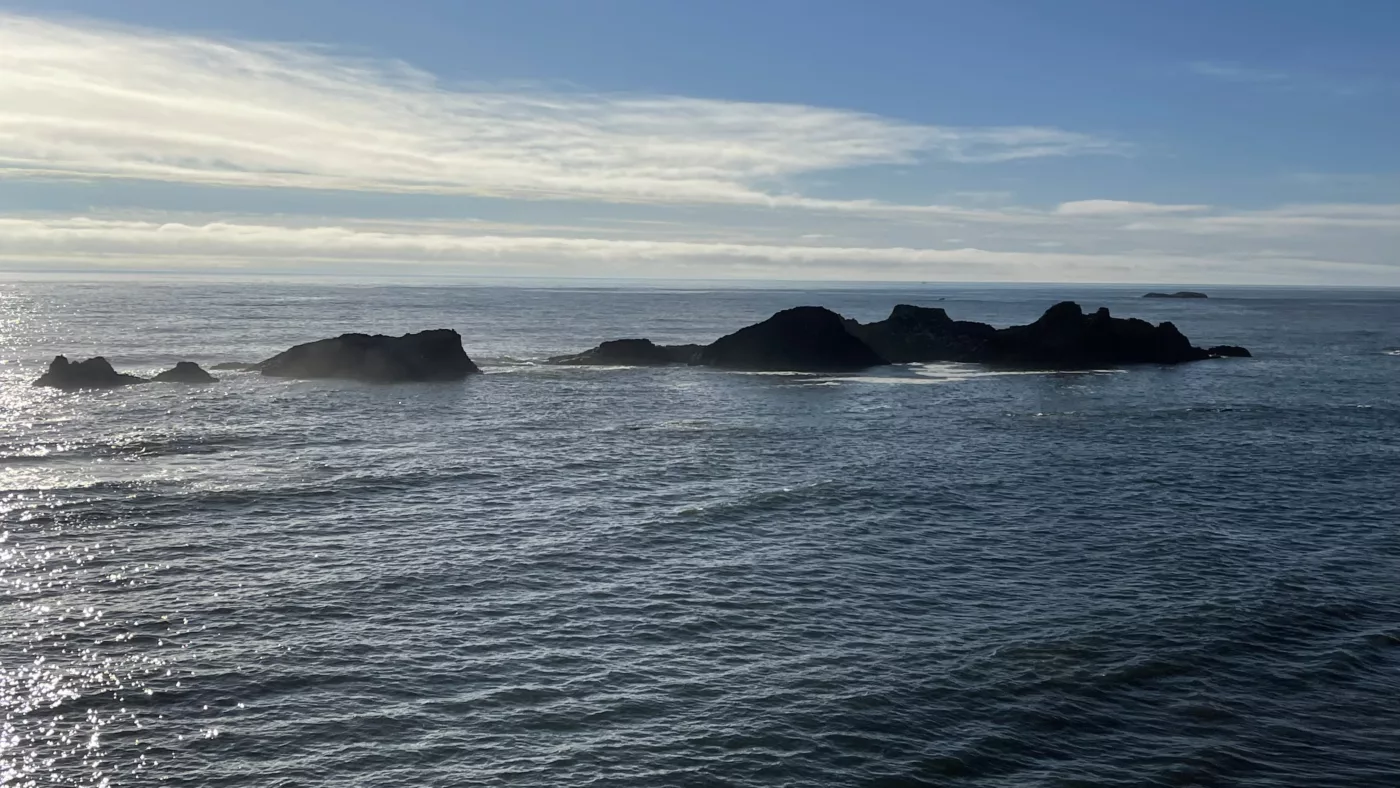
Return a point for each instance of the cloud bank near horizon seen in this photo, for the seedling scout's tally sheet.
(439, 247)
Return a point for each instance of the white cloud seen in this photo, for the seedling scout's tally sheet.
(1342, 87)
(1345, 179)
(48, 242)
(1287, 220)
(1122, 208)
(1234, 72)
(93, 101)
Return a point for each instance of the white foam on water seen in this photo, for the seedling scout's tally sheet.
(562, 368)
(905, 381)
(928, 374)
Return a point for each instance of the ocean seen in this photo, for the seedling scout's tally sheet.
(928, 575)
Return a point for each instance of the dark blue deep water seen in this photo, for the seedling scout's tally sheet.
(926, 576)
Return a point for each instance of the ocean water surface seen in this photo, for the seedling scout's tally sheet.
(930, 575)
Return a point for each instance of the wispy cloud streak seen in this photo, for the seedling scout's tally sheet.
(1283, 80)
(1121, 208)
(1233, 72)
(93, 101)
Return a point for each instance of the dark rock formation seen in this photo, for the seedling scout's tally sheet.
(813, 339)
(631, 353)
(1066, 338)
(233, 366)
(803, 339)
(184, 372)
(1063, 338)
(425, 356)
(95, 373)
(1178, 294)
(1228, 351)
(919, 333)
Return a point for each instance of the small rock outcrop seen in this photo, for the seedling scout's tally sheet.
(1228, 351)
(802, 339)
(95, 373)
(924, 334)
(631, 353)
(184, 372)
(1177, 294)
(435, 355)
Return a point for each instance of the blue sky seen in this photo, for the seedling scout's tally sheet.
(1080, 140)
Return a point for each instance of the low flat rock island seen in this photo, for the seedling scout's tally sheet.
(631, 353)
(426, 356)
(184, 372)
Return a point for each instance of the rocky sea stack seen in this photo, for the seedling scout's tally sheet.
(802, 339)
(185, 372)
(95, 373)
(435, 355)
(631, 353)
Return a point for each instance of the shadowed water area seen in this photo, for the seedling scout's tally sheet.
(928, 575)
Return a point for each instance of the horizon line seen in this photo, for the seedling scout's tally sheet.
(9, 276)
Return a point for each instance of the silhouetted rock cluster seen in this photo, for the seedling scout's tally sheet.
(97, 373)
(801, 339)
(425, 356)
(1177, 294)
(1065, 337)
(814, 339)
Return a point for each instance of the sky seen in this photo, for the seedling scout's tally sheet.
(1191, 142)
